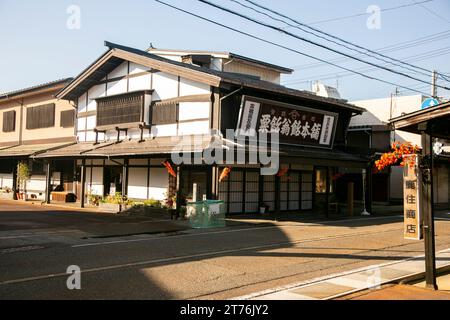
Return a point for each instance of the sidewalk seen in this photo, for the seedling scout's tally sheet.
(368, 279)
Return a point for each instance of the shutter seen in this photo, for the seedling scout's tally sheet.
(164, 113)
(41, 116)
(67, 118)
(9, 121)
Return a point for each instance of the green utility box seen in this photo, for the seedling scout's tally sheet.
(206, 214)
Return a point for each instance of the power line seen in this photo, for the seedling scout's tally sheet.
(365, 13)
(313, 42)
(432, 12)
(394, 47)
(282, 46)
(332, 36)
(331, 75)
(325, 38)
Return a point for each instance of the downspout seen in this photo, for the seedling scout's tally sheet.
(223, 98)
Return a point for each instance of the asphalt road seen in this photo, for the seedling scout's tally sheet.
(123, 257)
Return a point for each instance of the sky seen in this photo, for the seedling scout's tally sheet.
(41, 41)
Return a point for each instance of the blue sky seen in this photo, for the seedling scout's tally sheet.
(38, 47)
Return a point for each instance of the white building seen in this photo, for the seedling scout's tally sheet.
(379, 112)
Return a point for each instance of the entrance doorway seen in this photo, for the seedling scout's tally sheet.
(112, 180)
(191, 175)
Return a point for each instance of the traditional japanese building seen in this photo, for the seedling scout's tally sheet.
(33, 121)
(138, 112)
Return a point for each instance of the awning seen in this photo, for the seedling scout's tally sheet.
(159, 145)
(31, 149)
(69, 151)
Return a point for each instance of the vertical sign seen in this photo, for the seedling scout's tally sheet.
(411, 201)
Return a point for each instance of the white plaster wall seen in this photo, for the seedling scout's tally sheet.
(96, 184)
(164, 130)
(165, 86)
(193, 110)
(194, 127)
(116, 87)
(140, 83)
(82, 103)
(159, 183)
(94, 93)
(6, 180)
(137, 183)
(120, 71)
(190, 87)
(137, 68)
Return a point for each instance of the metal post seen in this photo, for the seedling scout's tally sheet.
(428, 214)
(364, 182)
(327, 191)
(178, 193)
(369, 195)
(433, 84)
(14, 180)
(83, 182)
(125, 178)
(350, 197)
(48, 182)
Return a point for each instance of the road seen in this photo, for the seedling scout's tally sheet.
(119, 259)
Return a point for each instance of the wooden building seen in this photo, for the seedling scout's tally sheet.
(33, 121)
(135, 109)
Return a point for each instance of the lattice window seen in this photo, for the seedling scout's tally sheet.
(125, 108)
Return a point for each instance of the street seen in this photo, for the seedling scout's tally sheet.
(125, 258)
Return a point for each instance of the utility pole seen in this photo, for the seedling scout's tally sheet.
(433, 84)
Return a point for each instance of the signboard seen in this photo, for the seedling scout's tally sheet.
(429, 102)
(295, 124)
(411, 203)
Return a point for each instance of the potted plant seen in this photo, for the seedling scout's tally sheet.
(23, 175)
(263, 208)
(114, 203)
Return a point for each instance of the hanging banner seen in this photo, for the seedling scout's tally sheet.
(295, 124)
(411, 202)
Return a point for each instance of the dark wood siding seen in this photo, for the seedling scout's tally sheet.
(67, 118)
(41, 116)
(9, 121)
(164, 113)
(126, 108)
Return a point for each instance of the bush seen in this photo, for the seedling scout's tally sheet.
(152, 203)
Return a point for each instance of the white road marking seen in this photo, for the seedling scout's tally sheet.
(328, 277)
(198, 255)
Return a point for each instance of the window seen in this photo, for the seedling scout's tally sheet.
(164, 112)
(41, 116)
(125, 108)
(321, 180)
(67, 118)
(9, 121)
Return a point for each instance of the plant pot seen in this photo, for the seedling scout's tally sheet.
(110, 207)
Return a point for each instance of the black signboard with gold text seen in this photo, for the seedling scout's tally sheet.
(296, 125)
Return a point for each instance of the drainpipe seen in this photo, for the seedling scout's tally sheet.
(223, 98)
